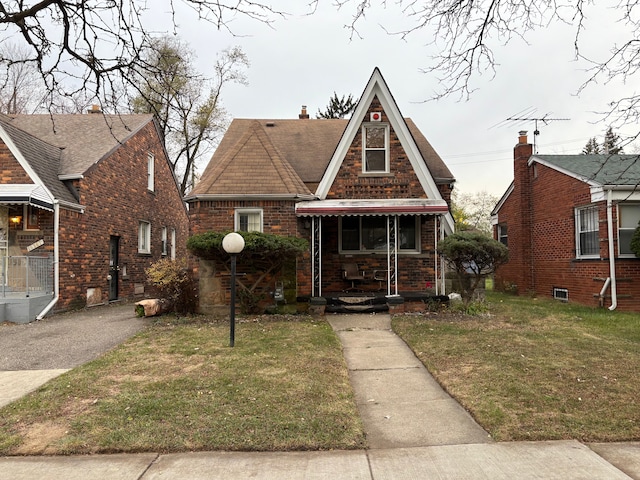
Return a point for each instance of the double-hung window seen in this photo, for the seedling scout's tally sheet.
(164, 241)
(369, 234)
(375, 148)
(502, 235)
(248, 220)
(150, 171)
(144, 237)
(628, 218)
(587, 238)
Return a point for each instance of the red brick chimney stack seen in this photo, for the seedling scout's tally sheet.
(521, 246)
(303, 114)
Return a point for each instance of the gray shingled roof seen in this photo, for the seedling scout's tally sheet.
(307, 145)
(43, 158)
(85, 138)
(599, 169)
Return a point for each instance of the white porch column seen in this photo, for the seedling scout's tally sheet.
(316, 256)
(392, 254)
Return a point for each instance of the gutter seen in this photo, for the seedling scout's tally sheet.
(612, 259)
(56, 261)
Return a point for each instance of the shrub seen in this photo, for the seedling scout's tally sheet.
(175, 283)
(472, 255)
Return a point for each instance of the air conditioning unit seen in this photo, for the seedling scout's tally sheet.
(375, 116)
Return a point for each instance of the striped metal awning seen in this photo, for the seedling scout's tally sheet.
(25, 194)
(393, 206)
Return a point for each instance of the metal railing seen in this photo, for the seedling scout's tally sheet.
(26, 275)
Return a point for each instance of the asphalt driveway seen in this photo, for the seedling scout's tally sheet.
(67, 340)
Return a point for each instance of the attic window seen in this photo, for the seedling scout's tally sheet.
(375, 148)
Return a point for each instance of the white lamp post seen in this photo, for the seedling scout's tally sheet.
(233, 243)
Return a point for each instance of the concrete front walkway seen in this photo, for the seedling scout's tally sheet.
(400, 403)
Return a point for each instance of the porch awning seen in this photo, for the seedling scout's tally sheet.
(392, 206)
(25, 194)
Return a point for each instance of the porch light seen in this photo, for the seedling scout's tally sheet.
(15, 219)
(233, 243)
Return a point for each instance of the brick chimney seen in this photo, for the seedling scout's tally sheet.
(303, 113)
(94, 109)
(521, 248)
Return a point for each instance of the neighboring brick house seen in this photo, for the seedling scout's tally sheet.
(87, 202)
(568, 221)
(381, 202)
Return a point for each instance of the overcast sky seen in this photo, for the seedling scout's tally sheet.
(302, 60)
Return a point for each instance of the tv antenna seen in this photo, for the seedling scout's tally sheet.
(545, 119)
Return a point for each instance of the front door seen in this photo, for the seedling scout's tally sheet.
(114, 269)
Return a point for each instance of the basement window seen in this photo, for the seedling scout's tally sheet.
(561, 294)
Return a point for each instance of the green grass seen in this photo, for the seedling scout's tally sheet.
(536, 370)
(284, 386)
(526, 369)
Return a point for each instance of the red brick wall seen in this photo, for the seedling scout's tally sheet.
(402, 182)
(278, 215)
(114, 192)
(10, 170)
(541, 241)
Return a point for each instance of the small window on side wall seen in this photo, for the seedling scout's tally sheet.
(151, 161)
(587, 232)
(248, 220)
(164, 241)
(502, 235)
(144, 237)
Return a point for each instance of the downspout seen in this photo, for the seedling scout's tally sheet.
(612, 259)
(56, 258)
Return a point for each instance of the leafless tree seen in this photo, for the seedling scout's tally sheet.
(94, 47)
(467, 32)
(21, 88)
(187, 105)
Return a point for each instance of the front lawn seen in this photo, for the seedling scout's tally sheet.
(284, 386)
(536, 369)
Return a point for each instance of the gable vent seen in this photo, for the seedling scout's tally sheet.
(375, 116)
(270, 124)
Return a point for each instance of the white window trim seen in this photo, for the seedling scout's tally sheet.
(144, 244)
(173, 244)
(151, 171)
(364, 147)
(240, 211)
(623, 204)
(164, 242)
(503, 228)
(401, 251)
(577, 211)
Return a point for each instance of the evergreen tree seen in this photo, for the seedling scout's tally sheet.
(592, 147)
(338, 107)
(611, 144)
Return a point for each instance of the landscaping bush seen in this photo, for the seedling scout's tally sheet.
(175, 284)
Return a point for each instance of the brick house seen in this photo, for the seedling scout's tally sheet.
(369, 191)
(568, 221)
(87, 202)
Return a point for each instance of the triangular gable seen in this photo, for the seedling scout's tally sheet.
(45, 197)
(377, 88)
(252, 168)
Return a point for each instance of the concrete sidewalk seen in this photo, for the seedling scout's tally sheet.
(415, 431)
